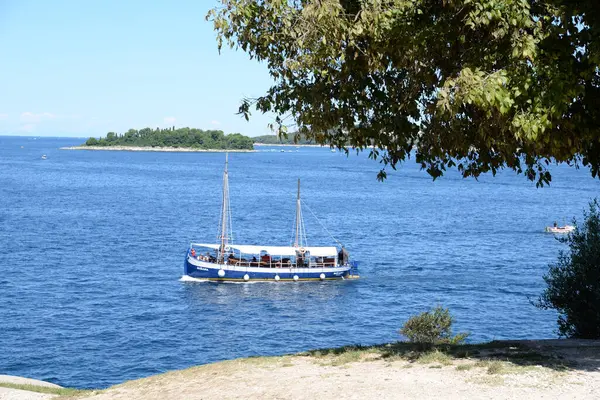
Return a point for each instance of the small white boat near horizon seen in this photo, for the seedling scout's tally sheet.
(44, 157)
(560, 229)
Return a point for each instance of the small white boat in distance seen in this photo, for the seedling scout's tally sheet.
(44, 157)
(560, 229)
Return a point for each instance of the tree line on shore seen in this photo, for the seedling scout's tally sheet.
(171, 137)
(280, 139)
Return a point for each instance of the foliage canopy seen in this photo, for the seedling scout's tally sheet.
(573, 283)
(479, 85)
(183, 137)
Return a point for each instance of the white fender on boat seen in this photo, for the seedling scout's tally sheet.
(322, 276)
(277, 278)
(246, 277)
(296, 278)
(221, 273)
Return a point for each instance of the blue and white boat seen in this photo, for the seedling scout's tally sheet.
(226, 261)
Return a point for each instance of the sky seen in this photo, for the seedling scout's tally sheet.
(84, 68)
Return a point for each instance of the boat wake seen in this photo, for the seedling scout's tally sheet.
(187, 278)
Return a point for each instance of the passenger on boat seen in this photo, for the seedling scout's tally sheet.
(555, 224)
(193, 252)
(266, 259)
(343, 256)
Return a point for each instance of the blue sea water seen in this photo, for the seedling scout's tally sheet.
(92, 246)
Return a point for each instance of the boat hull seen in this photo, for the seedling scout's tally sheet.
(210, 271)
(560, 229)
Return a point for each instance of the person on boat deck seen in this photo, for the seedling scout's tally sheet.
(265, 258)
(343, 256)
(555, 224)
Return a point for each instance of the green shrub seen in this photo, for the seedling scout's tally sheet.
(573, 283)
(432, 327)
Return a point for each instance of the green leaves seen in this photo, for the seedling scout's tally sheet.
(432, 327)
(477, 84)
(573, 282)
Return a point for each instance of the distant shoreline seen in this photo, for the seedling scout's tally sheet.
(158, 149)
(290, 145)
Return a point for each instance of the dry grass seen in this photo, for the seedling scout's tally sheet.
(44, 389)
(435, 356)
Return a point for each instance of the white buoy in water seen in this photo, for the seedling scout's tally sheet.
(296, 278)
(322, 276)
(221, 273)
(277, 278)
(246, 277)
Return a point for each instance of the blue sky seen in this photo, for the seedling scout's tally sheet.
(86, 67)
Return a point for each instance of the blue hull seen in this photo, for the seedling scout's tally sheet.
(211, 272)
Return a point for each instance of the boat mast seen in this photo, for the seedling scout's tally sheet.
(298, 240)
(223, 231)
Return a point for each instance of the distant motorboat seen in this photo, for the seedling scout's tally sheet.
(44, 157)
(560, 229)
(282, 151)
(333, 151)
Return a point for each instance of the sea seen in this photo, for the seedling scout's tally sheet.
(92, 245)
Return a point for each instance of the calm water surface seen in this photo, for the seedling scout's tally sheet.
(92, 246)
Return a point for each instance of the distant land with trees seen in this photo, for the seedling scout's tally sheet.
(190, 138)
(275, 139)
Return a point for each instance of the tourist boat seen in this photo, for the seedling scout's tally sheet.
(226, 261)
(560, 229)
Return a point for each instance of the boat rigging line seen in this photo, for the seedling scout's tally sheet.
(320, 223)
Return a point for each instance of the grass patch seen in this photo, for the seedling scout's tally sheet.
(44, 389)
(514, 355)
(464, 367)
(434, 356)
(496, 368)
(345, 358)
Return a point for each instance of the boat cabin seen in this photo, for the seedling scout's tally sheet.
(266, 256)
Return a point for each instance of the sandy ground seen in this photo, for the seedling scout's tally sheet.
(15, 394)
(373, 377)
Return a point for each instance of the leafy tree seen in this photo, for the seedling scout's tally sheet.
(573, 283)
(432, 327)
(91, 142)
(479, 85)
